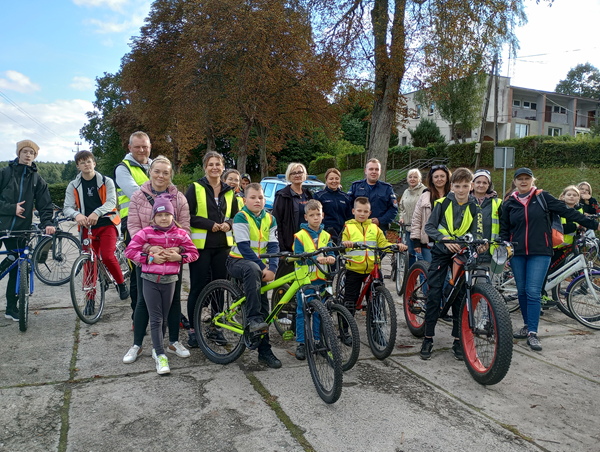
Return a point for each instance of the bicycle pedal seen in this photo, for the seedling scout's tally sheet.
(387, 277)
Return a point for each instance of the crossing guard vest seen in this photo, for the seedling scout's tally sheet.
(259, 238)
(139, 176)
(449, 215)
(199, 235)
(309, 247)
(359, 260)
(568, 238)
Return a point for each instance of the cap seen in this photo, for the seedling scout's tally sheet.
(246, 176)
(521, 171)
(27, 143)
(163, 203)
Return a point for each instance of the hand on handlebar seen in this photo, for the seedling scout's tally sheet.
(268, 275)
(401, 247)
(50, 230)
(326, 260)
(348, 244)
(453, 247)
(483, 248)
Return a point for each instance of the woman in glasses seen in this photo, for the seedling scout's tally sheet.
(438, 186)
(483, 191)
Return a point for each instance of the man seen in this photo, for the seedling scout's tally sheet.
(384, 205)
(20, 187)
(130, 174)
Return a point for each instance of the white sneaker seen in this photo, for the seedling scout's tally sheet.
(285, 321)
(178, 349)
(132, 354)
(162, 364)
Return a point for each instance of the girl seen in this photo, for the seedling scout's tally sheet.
(161, 272)
(571, 197)
(588, 204)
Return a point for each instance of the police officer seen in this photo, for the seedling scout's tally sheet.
(384, 205)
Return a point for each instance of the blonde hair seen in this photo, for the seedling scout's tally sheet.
(569, 188)
(416, 171)
(162, 159)
(313, 204)
(138, 134)
(291, 167)
(585, 183)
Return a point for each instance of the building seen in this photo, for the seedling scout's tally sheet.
(522, 112)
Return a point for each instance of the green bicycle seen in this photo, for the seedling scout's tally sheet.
(222, 304)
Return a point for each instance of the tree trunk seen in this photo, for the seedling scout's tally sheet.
(176, 160)
(264, 164)
(211, 144)
(242, 153)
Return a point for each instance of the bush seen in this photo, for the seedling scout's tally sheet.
(57, 193)
(182, 181)
(321, 164)
(427, 132)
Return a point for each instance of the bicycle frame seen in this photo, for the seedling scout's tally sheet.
(373, 278)
(24, 254)
(95, 259)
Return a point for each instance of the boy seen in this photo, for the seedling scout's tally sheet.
(245, 180)
(255, 233)
(361, 230)
(464, 213)
(310, 238)
(91, 200)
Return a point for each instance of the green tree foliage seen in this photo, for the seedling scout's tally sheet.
(427, 132)
(583, 80)
(69, 171)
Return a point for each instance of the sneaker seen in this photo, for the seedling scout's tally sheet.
(284, 321)
(457, 351)
(301, 352)
(12, 315)
(162, 364)
(90, 307)
(269, 359)
(179, 350)
(426, 349)
(533, 342)
(184, 322)
(192, 341)
(256, 325)
(132, 354)
(521, 334)
(123, 291)
(216, 335)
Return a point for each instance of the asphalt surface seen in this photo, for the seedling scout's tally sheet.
(63, 386)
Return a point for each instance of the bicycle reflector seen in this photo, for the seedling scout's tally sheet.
(500, 256)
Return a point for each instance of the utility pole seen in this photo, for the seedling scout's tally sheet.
(485, 111)
(78, 144)
(496, 89)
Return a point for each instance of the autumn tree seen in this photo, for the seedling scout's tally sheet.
(583, 80)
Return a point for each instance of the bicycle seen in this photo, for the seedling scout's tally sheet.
(225, 302)
(400, 261)
(90, 276)
(485, 328)
(377, 300)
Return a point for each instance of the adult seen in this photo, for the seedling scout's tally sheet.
(337, 207)
(487, 198)
(129, 176)
(438, 186)
(587, 203)
(140, 216)
(408, 203)
(526, 221)
(384, 204)
(232, 178)
(21, 187)
(212, 206)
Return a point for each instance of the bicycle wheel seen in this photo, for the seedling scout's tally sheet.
(23, 295)
(381, 322)
(401, 271)
(559, 294)
(415, 298)
(87, 289)
(286, 319)
(581, 301)
(339, 285)
(53, 258)
(323, 355)
(346, 331)
(123, 261)
(488, 345)
(505, 284)
(220, 345)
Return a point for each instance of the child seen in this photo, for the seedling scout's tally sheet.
(310, 238)
(232, 178)
(361, 263)
(571, 197)
(255, 233)
(452, 216)
(161, 272)
(91, 200)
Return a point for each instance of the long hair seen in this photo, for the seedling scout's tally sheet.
(433, 192)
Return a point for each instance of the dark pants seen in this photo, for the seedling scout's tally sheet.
(141, 317)
(210, 260)
(158, 301)
(438, 271)
(133, 283)
(352, 289)
(11, 287)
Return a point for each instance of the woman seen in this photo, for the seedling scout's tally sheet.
(213, 206)
(139, 217)
(525, 221)
(483, 191)
(438, 186)
(337, 206)
(232, 178)
(408, 203)
(587, 203)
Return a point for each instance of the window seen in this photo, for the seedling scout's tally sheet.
(404, 139)
(431, 107)
(269, 189)
(526, 104)
(554, 131)
(418, 111)
(533, 106)
(516, 103)
(521, 130)
(559, 109)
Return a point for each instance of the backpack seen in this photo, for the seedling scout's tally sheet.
(554, 221)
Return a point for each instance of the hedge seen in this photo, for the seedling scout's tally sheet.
(57, 193)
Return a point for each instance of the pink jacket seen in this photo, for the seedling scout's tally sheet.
(420, 217)
(175, 237)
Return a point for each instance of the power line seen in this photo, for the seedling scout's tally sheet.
(26, 128)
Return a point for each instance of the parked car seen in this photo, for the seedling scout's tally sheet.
(272, 185)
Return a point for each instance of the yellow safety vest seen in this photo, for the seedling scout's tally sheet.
(139, 176)
(259, 238)
(309, 246)
(359, 257)
(495, 218)
(449, 215)
(568, 238)
(199, 235)
(240, 201)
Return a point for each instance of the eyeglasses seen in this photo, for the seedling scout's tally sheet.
(438, 167)
(297, 173)
(483, 171)
(27, 152)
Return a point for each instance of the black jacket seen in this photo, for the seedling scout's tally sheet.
(337, 209)
(23, 183)
(529, 226)
(215, 214)
(283, 211)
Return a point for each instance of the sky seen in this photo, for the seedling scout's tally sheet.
(52, 51)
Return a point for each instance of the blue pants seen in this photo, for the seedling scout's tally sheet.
(300, 319)
(530, 275)
(425, 255)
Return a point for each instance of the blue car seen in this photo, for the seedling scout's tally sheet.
(272, 185)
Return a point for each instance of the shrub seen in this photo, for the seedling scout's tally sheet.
(57, 193)
(427, 132)
(321, 164)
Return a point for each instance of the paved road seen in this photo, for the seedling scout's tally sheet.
(63, 386)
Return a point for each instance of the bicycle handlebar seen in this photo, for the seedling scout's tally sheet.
(302, 256)
(469, 240)
(6, 234)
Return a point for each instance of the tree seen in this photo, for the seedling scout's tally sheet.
(69, 171)
(427, 132)
(583, 80)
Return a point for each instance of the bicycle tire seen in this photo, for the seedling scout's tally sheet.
(581, 303)
(345, 328)
(122, 260)
(324, 360)
(401, 272)
(217, 297)
(415, 298)
(381, 322)
(23, 295)
(505, 285)
(286, 319)
(52, 263)
(87, 289)
(559, 294)
(488, 346)
(339, 284)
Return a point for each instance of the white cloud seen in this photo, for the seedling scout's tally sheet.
(128, 21)
(82, 83)
(115, 5)
(15, 81)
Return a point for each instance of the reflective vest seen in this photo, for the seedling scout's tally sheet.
(199, 235)
(449, 215)
(259, 238)
(369, 238)
(139, 176)
(309, 246)
(114, 216)
(568, 238)
(495, 218)
(240, 202)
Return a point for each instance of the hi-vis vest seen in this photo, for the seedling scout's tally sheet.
(139, 176)
(449, 215)
(259, 238)
(114, 216)
(199, 235)
(240, 202)
(495, 218)
(309, 247)
(568, 238)
(369, 238)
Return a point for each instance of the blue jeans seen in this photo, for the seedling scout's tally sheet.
(300, 318)
(412, 255)
(530, 276)
(425, 255)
